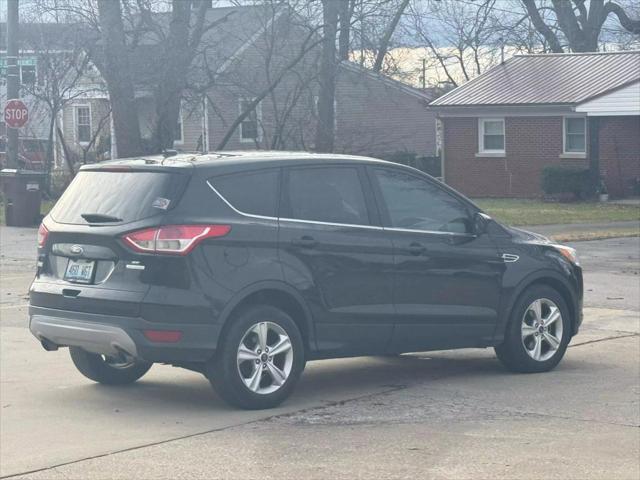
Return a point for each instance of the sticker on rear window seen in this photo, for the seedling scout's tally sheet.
(162, 203)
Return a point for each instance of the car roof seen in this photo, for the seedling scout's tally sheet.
(232, 160)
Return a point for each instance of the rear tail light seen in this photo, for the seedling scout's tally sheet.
(173, 239)
(43, 233)
(163, 336)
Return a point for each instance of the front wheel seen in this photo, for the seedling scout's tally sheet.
(108, 370)
(538, 333)
(259, 360)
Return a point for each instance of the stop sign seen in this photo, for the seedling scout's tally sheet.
(16, 113)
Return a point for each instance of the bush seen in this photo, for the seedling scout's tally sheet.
(559, 180)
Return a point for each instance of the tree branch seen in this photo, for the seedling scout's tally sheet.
(542, 27)
(627, 23)
(384, 42)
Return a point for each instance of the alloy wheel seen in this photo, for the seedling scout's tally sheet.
(265, 357)
(542, 329)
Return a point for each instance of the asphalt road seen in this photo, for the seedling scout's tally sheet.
(433, 415)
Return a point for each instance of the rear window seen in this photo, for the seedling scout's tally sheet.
(129, 196)
(255, 193)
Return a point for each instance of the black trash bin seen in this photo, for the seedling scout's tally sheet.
(22, 193)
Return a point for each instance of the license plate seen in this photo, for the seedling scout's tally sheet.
(79, 271)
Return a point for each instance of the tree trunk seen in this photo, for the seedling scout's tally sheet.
(116, 71)
(177, 59)
(345, 14)
(325, 134)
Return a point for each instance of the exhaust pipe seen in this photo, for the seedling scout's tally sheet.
(48, 345)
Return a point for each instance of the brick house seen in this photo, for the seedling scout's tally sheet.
(249, 45)
(502, 128)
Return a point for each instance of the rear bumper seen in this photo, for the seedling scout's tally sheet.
(93, 337)
(109, 335)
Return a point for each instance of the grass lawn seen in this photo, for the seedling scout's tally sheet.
(522, 212)
(536, 212)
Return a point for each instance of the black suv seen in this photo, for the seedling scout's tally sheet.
(243, 266)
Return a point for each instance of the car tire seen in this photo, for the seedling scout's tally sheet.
(106, 370)
(243, 373)
(531, 344)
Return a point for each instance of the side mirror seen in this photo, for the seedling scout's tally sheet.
(480, 223)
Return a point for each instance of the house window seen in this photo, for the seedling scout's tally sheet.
(575, 129)
(491, 135)
(83, 124)
(28, 74)
(249, 128)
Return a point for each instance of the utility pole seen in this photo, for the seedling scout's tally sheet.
(424, 74)
(13, 77)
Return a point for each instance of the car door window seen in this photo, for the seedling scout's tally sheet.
(416, 204)
(255, 193)
(327, 194)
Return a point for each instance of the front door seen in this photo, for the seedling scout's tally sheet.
(447, 280)
(335, 254)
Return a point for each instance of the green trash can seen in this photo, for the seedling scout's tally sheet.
(22, 193)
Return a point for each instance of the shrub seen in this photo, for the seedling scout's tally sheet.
(560, 179)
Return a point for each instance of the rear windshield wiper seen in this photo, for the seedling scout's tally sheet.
(99, 218)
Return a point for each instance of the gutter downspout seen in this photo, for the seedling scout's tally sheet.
(442, 146)
(112, 132)
(594, 153)
(205, 124)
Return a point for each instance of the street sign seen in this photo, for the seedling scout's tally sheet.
(16, 113)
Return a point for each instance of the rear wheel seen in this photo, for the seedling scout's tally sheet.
(108, 370)
(259, 360)
(538, 332)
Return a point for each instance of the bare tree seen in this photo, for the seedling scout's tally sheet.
(461, 39)
(580, 22)
(60, 70)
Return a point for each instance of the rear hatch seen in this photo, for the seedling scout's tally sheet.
(83, 263)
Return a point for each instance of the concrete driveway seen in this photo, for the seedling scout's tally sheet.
(433, 415)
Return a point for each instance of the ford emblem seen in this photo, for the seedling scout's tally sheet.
(76, 249)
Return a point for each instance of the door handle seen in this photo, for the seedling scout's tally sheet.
(417, 249)
(305, 242)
